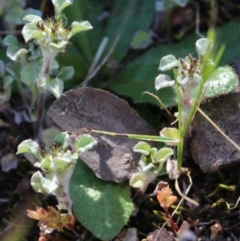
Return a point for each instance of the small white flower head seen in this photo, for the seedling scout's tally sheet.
(188, 71)
(189, 66)
(51, 34)
(189, 75)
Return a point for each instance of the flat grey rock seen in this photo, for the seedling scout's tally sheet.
(209, 149)
(81, 110)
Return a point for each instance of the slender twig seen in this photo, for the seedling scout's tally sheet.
(219, 130)
(183, 195)
(236, 204)
(85, 82)
(96, 59)
(115, 42)
(7, 32)
(43, 5)
(197, 29)
(159, 101)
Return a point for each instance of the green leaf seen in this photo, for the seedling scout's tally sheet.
(32, 18)
(203, 45)
(45, 165)
(57, 47)
(62, 162)
(2, 69)
(7, 81)
(164, 153)
(31, 11)
(84, 143)
(66, 73)
(139, 75)
(60, 5)
(153, 152)
(170, 132)
(55, 86)
(14, 15)
(55, 65)
(29, 146)
(163, 81)
(14, 52)
(62, 139)
(36, 181)
(30, 31)
(141, 40)
(77, 27)
(11, 40)
(29, 74)
(222, 81)
(46, 184)
(88, 42)
(121, 21)
(102, 207)
(142, 147)
(137, 180)
(13, 69)
(230, 38)
(48, 135)
(168, 62)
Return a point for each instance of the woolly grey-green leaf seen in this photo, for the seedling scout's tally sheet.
(102, 207)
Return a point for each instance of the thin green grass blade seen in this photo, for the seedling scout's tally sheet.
(140, 137)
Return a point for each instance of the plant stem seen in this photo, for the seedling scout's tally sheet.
(172, 223)
(180, 126)
(180, 152)
(193, 109)
(44, 73)
(40, 114)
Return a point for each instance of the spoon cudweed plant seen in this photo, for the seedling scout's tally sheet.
(195, 79)
(57, 164)
(37, 69)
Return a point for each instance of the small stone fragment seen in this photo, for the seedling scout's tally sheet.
(187, 235)
(209, 149)
(160, 235)
(129, 234)
(215, 230)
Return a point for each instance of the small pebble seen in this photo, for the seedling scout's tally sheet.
(187, 235)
